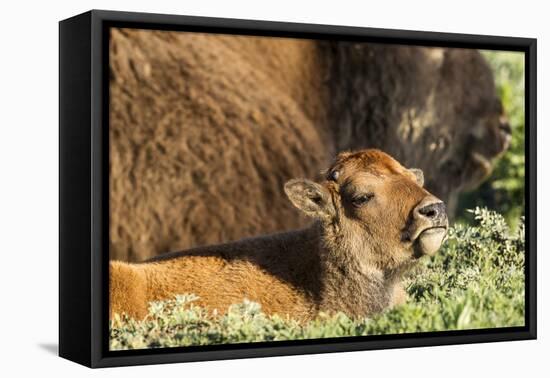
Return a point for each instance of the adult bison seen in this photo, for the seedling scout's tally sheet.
(205, 129)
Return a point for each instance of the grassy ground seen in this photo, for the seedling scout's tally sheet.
(475, 281)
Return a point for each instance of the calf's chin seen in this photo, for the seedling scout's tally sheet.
(429, 241)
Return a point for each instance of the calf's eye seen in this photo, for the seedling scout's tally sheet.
(362, 199)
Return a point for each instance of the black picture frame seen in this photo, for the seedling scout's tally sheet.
(83, 181)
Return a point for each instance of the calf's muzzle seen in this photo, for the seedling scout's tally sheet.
(430, 224)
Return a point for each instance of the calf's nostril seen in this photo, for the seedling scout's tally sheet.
(432, 211)
(429, 211)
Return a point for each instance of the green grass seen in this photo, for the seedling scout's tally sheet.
(475, 281)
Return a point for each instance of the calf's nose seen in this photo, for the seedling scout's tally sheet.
(430, 209)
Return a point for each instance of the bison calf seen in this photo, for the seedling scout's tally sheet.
(373, 220)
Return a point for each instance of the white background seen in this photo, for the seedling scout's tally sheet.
(29, 186)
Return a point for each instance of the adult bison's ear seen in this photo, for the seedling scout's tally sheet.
(313, 199)
(419, 175)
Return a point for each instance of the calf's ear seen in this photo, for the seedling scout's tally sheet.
(313, 199)
(419, 175)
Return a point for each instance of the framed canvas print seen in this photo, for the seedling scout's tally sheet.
(233, 188)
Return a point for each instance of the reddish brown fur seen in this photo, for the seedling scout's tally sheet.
(205, 129)
(351, 259)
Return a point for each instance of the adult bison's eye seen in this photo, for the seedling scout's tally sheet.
(362, 199)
